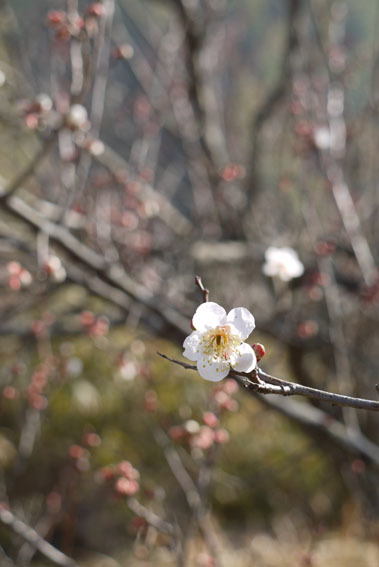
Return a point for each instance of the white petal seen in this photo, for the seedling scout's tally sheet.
(191, 345)
(212, 370)
(271, 253)
(285, 276)
(270, 269)
(297, 269)
(208, 316)
(288, 253)
(242, 320)
(244, 359)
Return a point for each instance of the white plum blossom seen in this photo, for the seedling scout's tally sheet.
(283, 263)
(217, 344)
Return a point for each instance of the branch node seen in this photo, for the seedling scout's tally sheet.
(203, 289)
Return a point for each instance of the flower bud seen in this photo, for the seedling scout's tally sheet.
(96, 9)
(259, 350)
(77, 117)
(56, 17)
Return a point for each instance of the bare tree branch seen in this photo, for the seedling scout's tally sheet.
(264, 383)
(34, 539)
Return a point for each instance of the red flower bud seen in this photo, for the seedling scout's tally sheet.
(56, 17)
(259, 350)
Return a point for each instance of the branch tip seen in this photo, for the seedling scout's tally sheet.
(204, 290)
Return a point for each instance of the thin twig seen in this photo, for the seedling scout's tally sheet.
(151, 518)
(28, 171)
(200, 285)
(111, 273)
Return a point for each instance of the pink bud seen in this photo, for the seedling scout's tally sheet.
(259, 350)
(126, 469)
(205, 438)
(126, 486)
(56, 17)
(76, 451)
(96, 9)
(221, 436)
(210, 419)
(10, 393)
(177, 432)
(230, 386)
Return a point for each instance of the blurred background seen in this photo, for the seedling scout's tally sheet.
(143, 142)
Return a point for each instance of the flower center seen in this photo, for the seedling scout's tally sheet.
(220, 342)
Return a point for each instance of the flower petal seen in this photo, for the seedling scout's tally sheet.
(212, 370)
(243, 359)
(271, 253)
(270, 269)
(208, 316)
(191, 345)
(242, 320)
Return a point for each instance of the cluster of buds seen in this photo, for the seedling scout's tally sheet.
(36, 388)
(80, 457)
(37, 111)
(80, 454)
(222, 395)
(66, 25)
(94, 326)
(125, 478)
(40, 327)
(18, 277)
(200, 436)
(63, 26)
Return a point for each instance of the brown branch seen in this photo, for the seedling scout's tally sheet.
(98, 96)
(150, 517)
(312, 418)
(113, 274)
(34, 539)
(204, 290)
(316, 421)
(264, 383)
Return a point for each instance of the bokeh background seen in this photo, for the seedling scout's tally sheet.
(143, 142)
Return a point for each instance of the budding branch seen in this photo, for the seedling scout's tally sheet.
(263, 383)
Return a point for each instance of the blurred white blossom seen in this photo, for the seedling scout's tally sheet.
(283, 263)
